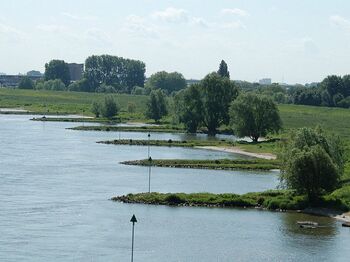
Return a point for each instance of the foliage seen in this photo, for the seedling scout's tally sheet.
(217, 94)
(96, 108)
(168, 82)
(131, 107)
(274, 91)
(254, 116)
(123, 74)
(106, 89)
(333, 91)
(26, 83)
(156, 105)
(221, 164)
(57, 69)
(313, 162)
(53, 85)
(206, 103)
(109, 108)
(81, 85)
(138, 90)
(223, 69)
(271, 199)
(189, 107)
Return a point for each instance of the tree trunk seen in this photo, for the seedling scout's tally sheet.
(255, 139)
(212, 131)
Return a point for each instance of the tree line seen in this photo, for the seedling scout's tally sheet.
(216, 101)
(333, 91)
(106, 74)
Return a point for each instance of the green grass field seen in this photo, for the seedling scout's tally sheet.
(62, 102)
(336, 120)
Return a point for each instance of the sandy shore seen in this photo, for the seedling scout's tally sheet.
(237, 150)
(344, 217)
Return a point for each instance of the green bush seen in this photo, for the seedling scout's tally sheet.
(174, 199)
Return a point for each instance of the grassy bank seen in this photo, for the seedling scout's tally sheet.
(64, 102)
(175, 143)
(77, 119)
(219, 164)
(272, 199)
(336, 120)
(108, 128)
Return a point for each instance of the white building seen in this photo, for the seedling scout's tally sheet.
(265, 81)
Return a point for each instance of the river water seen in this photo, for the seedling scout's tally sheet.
(55, 186)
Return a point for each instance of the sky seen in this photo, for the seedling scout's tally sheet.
(292, 41)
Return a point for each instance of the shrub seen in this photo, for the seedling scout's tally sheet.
(174, 199)
(110, 107)
(131, 107)
(26, 83)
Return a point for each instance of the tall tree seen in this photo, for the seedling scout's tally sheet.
(156, 105)
(254, 116)
(312, 162)
(122, 74)
(346, 85)
(57, 69)
(26, 83)
(168, 82)
(217, 94)
(332, 85)
(189, 107)
(223, 69)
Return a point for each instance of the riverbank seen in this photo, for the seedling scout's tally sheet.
(218, 164)
(283, 200)
(169, 142)
(144, 128)
(238, 150)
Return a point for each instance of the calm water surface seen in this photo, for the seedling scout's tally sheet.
(55, 185)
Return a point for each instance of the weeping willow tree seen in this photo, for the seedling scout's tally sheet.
(313, 162)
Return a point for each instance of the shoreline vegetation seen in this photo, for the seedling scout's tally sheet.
(218, 164)
(146, 128)
(263, 150)
(169, 143)
(274, 200)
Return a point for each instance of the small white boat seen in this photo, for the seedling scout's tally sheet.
(307, 224)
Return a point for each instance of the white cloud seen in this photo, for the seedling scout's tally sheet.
(79, 18)
(138, 26)
(309, 46)
(51, 28)
(234, 25)
(98, 36)
(172, 15)
(340, 21)
(10, 32)
(235, 11)
(200, 22)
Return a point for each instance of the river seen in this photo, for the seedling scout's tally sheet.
(55, 186)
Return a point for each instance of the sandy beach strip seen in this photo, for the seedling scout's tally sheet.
(237, 150)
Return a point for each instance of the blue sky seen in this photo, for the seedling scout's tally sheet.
(292, 41)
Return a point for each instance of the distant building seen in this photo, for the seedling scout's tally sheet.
(13, 80)
(191, 81)
(34, 73)
(2, 74)
(265, 81)
(76, 71)
(313, 84)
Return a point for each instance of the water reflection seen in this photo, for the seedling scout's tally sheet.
(327, 226)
